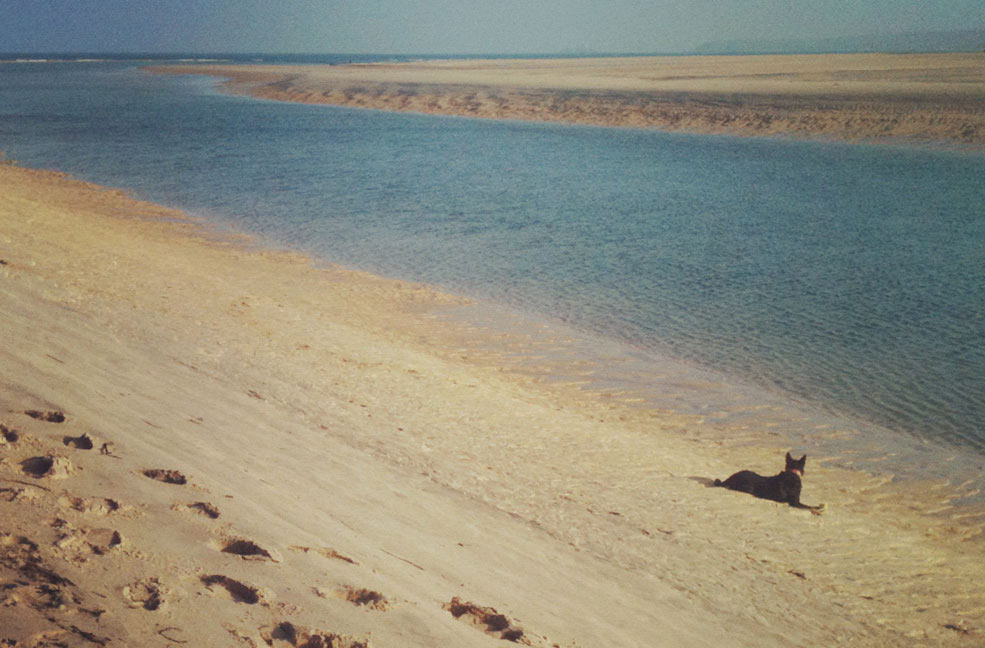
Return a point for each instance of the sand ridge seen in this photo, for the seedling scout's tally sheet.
(856, 97)
(232, 446)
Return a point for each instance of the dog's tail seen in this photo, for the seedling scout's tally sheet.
(718, 482)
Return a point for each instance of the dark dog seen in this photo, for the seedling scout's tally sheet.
(784, 488)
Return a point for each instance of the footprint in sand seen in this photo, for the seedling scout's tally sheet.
(166, 476)
(8, 435)
(77, 545)
(204, 508)
(361, 597)
(246, 549)
(79, 443)
(237, 591)
(147, 593)
(326, 552)
(49, 417)
(288, 634)
(13, 494)
(50, 466)
(486, 618)
(94, 506)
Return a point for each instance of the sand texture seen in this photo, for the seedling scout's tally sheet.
(923, 98)
(209, 443)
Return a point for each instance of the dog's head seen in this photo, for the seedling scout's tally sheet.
(796, 465)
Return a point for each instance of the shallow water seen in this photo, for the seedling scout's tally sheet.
(845, 279)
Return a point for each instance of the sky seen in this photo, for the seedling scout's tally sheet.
(454, 26)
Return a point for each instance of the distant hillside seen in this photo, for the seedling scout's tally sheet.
(972, 40)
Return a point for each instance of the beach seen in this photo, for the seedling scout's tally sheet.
(929, 98)
(210, 442)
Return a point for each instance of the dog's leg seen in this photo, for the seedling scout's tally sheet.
(816, 510)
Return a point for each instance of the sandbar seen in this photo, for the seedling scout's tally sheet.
(925, 98)
(210, 442)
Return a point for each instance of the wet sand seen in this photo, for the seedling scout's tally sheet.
(209, 442)
(925, 98)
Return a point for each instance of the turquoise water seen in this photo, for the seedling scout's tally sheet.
(847, 278)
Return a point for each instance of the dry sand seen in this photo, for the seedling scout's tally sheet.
(208, 443)
(920, 97)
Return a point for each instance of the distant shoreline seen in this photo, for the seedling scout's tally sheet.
(930, 98)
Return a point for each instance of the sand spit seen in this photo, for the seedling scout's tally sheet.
(923, 98)
(252, 451)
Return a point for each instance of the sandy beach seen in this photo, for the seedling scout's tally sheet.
(936, 98)
(210, 443)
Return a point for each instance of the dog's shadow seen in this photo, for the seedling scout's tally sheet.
(704, 481)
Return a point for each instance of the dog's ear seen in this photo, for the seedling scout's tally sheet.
(789, 458)
(803, 459)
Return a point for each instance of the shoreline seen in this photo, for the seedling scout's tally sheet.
(856, 98)
(327, 413)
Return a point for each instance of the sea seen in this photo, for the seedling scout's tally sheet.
(842, 283)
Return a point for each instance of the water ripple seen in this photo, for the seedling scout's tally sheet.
(848, 277)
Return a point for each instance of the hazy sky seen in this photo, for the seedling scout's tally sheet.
(454, 26)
